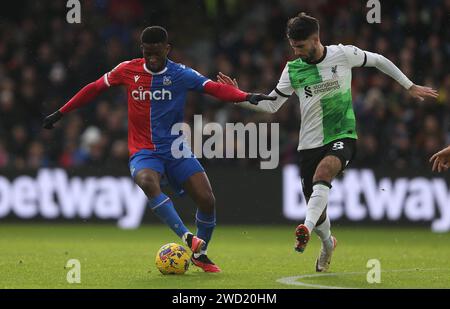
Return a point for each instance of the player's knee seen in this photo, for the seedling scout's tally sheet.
(148, 184)
(322, 174)
(327, 169)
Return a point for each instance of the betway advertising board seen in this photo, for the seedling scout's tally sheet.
(244, 196)
(359, 195)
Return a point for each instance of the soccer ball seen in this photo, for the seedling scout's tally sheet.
(172, 259)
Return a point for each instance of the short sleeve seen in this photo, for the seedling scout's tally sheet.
(356, 57)
(193, 79)
(115, 77)
(284, 86)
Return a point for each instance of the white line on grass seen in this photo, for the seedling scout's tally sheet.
(295, 279)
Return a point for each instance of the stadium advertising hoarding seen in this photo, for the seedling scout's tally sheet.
(360, 196)
(364, 195)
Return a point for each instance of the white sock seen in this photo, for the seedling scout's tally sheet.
(316, 205)
(196, 255)
(183, 238)
(324, 233)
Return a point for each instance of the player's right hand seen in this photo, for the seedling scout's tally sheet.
(50, 120)
(225, 79)
(253, 98)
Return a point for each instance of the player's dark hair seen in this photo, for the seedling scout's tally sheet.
(300, 27)
(154, 35)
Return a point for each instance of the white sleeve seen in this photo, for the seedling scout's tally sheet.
(355, 56)
(282, 92)
(387, 67)
(284, 86)
(362, 58)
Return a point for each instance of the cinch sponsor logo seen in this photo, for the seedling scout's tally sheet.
(155, 95)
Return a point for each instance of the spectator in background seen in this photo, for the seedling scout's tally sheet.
(36, 155)
(4, 156)
(43, 58)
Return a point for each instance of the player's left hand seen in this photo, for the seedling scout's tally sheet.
(50, 120)
(254, 98)
(421, 92)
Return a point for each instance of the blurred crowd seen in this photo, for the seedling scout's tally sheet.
(44, 61)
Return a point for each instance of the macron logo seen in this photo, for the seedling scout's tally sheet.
(136, 78)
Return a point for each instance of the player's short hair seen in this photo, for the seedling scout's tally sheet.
(154, 35)
(300, 27)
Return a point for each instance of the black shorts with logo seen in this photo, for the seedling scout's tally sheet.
(344, 149)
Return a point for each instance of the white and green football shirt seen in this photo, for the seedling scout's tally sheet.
(324, 92)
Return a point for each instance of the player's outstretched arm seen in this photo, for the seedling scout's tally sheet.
(264, 105)
(84, 96)
(387, 67)
(441, 160)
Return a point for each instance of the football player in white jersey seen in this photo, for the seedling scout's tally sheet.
(321, 78)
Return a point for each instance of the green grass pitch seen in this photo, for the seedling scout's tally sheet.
(253, 257)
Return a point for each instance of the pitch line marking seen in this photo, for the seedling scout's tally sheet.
(294, 279)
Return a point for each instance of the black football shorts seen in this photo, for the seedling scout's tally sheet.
(344, 149)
